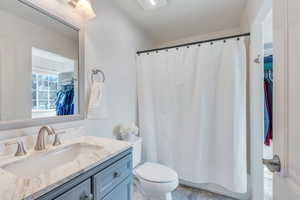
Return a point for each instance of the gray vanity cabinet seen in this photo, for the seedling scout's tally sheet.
(111, 180)
(107, 179)
(123, 191)
(80, 192)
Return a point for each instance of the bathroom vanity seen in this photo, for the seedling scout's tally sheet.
(84, 168)
(110, 180)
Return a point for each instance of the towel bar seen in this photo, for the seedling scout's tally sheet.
(95, 72)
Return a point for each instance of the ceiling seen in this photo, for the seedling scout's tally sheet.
(185, 18)
(45, 60)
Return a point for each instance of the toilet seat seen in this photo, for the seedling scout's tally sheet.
(156, 173)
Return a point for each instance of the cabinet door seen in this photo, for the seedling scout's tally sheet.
(109, 178)
(122, 191)
(80, 192)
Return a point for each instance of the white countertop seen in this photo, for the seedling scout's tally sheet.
(29, 188)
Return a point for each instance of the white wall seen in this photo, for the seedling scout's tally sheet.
(250, 13)
(268, 29)
(111, 43)
(252, 9)
(207, 36)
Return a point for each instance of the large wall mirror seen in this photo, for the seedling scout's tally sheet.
(40, 67)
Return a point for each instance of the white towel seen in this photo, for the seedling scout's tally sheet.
(97, 105)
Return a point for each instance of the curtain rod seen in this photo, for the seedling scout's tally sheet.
(194, 43)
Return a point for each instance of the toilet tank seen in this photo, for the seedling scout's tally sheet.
(137, 151)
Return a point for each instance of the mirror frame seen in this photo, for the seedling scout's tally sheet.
(19, 124)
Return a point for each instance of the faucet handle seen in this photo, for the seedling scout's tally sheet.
(57, 141)
(20, 150)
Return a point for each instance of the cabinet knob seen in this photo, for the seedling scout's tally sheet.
(117, 174)
(87, 197)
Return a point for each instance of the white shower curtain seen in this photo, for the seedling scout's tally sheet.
(192, 112)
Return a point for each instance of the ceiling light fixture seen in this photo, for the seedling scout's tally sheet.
(83, 7)
(152, 4)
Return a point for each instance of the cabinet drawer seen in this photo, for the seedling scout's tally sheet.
(121, 192)
(110, 177)
(79, 192)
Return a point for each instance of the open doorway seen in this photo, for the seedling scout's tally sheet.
(268, 102)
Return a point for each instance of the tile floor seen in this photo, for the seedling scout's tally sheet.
(186, 193)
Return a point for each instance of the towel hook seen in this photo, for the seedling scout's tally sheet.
(96, 72)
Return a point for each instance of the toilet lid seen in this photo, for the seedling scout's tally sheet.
(156, 173)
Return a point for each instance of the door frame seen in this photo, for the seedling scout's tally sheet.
(256, 94)
(281, 88)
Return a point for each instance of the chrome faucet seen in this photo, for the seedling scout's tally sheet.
(40, 142)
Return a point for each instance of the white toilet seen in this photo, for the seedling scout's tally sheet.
(155, 181)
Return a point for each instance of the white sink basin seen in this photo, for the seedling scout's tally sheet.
(37, 164)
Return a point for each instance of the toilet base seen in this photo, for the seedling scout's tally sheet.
(167, 196)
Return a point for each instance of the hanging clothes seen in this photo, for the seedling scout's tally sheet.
(65, 100)
(268, 90)
(267, 110)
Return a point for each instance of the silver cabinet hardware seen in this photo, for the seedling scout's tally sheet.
(117, 174)
(274, 165)
(87, 197)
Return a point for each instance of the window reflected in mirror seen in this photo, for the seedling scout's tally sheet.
(53, 80)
